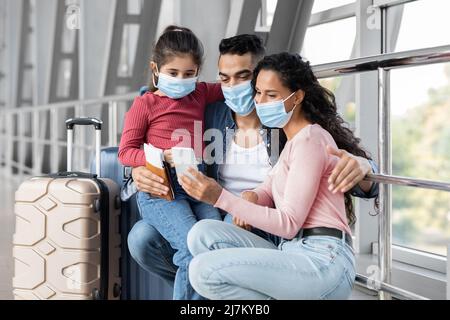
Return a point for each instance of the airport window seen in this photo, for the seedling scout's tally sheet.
(321, 46)
(420, 104)
(69, 39)
(268, 8)
(344, 91)
(424, 24)
(330, 42)
(420, 111)
(127, 52)
(134, 7)
(64, 78)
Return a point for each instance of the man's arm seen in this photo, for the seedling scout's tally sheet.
(349, 173)
(372, 190)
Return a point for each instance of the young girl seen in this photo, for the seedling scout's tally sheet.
(175, 105)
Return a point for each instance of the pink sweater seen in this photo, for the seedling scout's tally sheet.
(154, 119)
(295, 195)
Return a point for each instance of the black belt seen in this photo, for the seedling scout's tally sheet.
(322, 231)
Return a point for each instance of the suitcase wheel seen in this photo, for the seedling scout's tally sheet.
(96, 294)
(117, 290)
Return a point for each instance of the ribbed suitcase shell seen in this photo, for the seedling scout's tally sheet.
(57, 242)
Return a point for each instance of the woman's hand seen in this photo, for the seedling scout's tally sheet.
(251, 197)
(201, 187)
(349, 171)
(146, 181)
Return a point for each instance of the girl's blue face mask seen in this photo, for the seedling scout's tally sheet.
(173, 87)
(273, 114)
(240, 98)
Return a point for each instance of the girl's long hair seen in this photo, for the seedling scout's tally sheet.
(176, 42)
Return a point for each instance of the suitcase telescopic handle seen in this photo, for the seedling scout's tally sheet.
(70, 123)
(97, 124)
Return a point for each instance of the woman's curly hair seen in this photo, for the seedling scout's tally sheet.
(318, 106)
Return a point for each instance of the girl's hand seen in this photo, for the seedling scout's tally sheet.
(202, 188)
(241, 223)
(146, 181)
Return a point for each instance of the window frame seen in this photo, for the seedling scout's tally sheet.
(389, 3)
(410, 256)
(334, 14)
(415, 257)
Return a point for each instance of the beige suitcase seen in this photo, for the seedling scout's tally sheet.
(67, 241)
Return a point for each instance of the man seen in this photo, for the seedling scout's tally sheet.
(243, 135)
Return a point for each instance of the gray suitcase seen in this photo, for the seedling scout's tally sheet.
(67, 242)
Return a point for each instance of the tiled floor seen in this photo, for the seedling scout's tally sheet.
(7, 189)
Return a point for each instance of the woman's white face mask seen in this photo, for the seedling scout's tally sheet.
(273, 114)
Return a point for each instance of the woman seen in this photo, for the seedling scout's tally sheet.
(315, 260)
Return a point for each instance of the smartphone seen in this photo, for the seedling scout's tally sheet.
(183, 159)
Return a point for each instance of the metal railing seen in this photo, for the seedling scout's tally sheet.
(11, 133)
(409, 182)
(383, 64)
(20, 127)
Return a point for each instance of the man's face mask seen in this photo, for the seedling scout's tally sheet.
(239, 98)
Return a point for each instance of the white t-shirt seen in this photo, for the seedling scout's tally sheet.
(244, 168)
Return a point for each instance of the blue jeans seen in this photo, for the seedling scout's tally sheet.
(265, 235)
(151, 251)
(154, 253)
(173, 220)
(232, 263)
